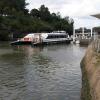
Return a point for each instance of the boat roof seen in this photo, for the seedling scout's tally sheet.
(59, 32)
(52, 33)
(56, 33)
(30, 35)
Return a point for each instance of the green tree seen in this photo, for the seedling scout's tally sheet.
(15, 18)
(35, 13)
(44, 13)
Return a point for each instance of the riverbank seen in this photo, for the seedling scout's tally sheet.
(90, 66)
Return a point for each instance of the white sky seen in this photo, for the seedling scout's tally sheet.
(79, 10)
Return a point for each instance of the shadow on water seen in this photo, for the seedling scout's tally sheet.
(40, 73)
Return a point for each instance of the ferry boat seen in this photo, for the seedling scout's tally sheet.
(44, 38)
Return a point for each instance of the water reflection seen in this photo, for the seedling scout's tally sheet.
(40, 73)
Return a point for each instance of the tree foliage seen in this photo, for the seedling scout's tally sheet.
(15, 18)
(54, 20)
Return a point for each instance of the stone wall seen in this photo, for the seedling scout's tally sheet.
(90, 66)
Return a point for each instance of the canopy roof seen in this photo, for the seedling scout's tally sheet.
(96, 15)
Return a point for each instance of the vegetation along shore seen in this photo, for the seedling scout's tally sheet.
(15, 18)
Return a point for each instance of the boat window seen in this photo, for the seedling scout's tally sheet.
(56, 36)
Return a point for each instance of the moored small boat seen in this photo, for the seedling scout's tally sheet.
(28, 39)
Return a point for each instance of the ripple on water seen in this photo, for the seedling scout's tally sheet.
(49, 73)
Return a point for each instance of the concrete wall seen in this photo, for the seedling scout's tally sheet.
(90, 66)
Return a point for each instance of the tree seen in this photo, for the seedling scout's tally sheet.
(6, 6)
(44, 13)
(35, 13)
(15, 18)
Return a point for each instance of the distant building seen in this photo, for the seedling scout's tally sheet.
(96, 30)
(80, 30)
(82, 33)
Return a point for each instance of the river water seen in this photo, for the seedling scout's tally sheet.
(40, 73)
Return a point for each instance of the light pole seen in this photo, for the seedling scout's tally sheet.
(73, 33)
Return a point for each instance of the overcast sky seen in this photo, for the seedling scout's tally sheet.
(79, 10)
